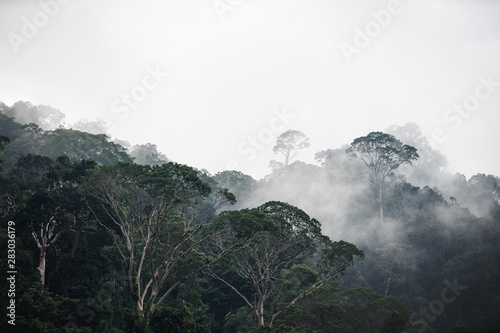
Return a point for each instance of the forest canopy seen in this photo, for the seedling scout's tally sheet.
(110, 237)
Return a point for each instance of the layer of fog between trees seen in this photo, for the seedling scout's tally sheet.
(325, 191)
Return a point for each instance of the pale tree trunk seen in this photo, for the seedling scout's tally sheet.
(381, 201)
(43, 242)
(388, 284)
(260, 312)
(41, 264)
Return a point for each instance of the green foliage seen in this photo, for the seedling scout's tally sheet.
(266, 260)
(147, 154)
(241, 321)
(40, 310)
(76, 145)
(381, 152)
(44, 116)
(154, 210)
(93, 199)
(244, 223)
(30, 168)
(297, 278)
(332, 308)
(337, 256)
(3, 139)
(83, 146)
(460, 328)
(394, 323)
(236, 182)
(8, 126)
(174, 319)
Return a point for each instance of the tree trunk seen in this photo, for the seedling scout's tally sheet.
(260, 312)
(380, 200)
(131, 281)
(41, 264)
(65, 271)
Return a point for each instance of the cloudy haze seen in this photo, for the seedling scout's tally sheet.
(213, 83)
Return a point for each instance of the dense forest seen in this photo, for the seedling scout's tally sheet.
(101, 236)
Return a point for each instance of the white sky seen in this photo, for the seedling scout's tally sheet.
(229, 72)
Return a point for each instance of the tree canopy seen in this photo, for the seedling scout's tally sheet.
(288, 144)
(106, 244)
(382, 153)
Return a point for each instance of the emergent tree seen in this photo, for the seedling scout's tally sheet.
(288, 143)
(152, 214)
(382, 153)
(286, 235)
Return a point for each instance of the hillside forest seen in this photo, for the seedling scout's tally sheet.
(98, 235)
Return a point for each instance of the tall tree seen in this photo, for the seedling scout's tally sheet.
(27, 139)
(396, 261)
(154, 210)
(44, 116)
(55, 206)
(79, 145)
(3, 139)
(381, 153)
(5, 199)
(147, 154)
(238, 183)
(8, 126)
(431, 164)
(288, 143)
(97, 126)
(291, 236)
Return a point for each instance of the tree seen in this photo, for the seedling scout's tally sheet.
(4, 183)
(3, 139)
(76, 145)
(288, 143)
(8, 126)
(483, 196)
(97, 126)
(154, 210)
(381, 153)
(56, 207)
(79, 145)
(30, 168)
(22, 182)
(287, 235)
(147, 154)
(241, 185)
(343, 168)
(334, 308)
(44, 116)
(396, 261)
(431, 164)
(28, 139)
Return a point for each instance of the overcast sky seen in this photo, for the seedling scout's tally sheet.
(213, 83)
